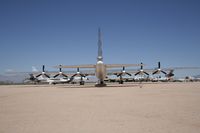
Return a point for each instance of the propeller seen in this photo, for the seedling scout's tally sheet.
(60, 73)
(43, 73)
(158, 70)
(141, 71)
(78, 73)
(123, 72)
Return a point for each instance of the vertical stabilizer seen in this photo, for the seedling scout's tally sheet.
(100, 56)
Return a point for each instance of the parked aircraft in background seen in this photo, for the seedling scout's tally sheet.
(31, 79)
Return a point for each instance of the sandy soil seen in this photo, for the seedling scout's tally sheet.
(154, 108)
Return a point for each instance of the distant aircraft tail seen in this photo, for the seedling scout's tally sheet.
(34, 69)
(100, 54)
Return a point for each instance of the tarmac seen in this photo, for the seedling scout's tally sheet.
(128, 108)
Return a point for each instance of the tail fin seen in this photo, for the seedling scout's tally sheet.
(100, 56)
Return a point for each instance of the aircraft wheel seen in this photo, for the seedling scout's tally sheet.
(121, 82)
(82, 83)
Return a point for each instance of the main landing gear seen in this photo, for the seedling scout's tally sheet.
(121, 82)
(82, 82)
(100, 84)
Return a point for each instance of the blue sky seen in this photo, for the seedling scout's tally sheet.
(52, 32)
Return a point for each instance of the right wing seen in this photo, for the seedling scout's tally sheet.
(84, 72)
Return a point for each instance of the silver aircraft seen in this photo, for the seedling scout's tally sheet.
(100, 67)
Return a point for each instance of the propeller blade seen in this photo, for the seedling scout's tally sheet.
(159, 64)
(64, 75)
(56, 75)
(74, 75)
(43, 67)
(120, 74)
(123, 68)
(164, 72)
(146, 73)
(128, 74)
(141, 67)
(155, 72)
(137, 73)
(47, 75)
(38, 75)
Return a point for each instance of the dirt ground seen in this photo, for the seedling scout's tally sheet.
(132, 108)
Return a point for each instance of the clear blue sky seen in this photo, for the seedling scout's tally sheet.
(52, 32)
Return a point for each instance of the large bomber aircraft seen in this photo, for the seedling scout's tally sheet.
(100, 71)
(100, 67)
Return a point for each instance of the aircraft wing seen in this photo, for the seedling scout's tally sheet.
(131, 71)
(180, 68)
(84, 72)
(121, 65)
(176, 68)
(76, 66)
(93, 66)
(89, 72)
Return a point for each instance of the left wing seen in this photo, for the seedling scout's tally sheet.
(179, 68)
(121, 65)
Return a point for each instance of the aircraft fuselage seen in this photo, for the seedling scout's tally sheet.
(100, 70)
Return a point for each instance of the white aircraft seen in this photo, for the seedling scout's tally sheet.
(100, 67)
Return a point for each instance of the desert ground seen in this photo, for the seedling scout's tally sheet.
(128, 108)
